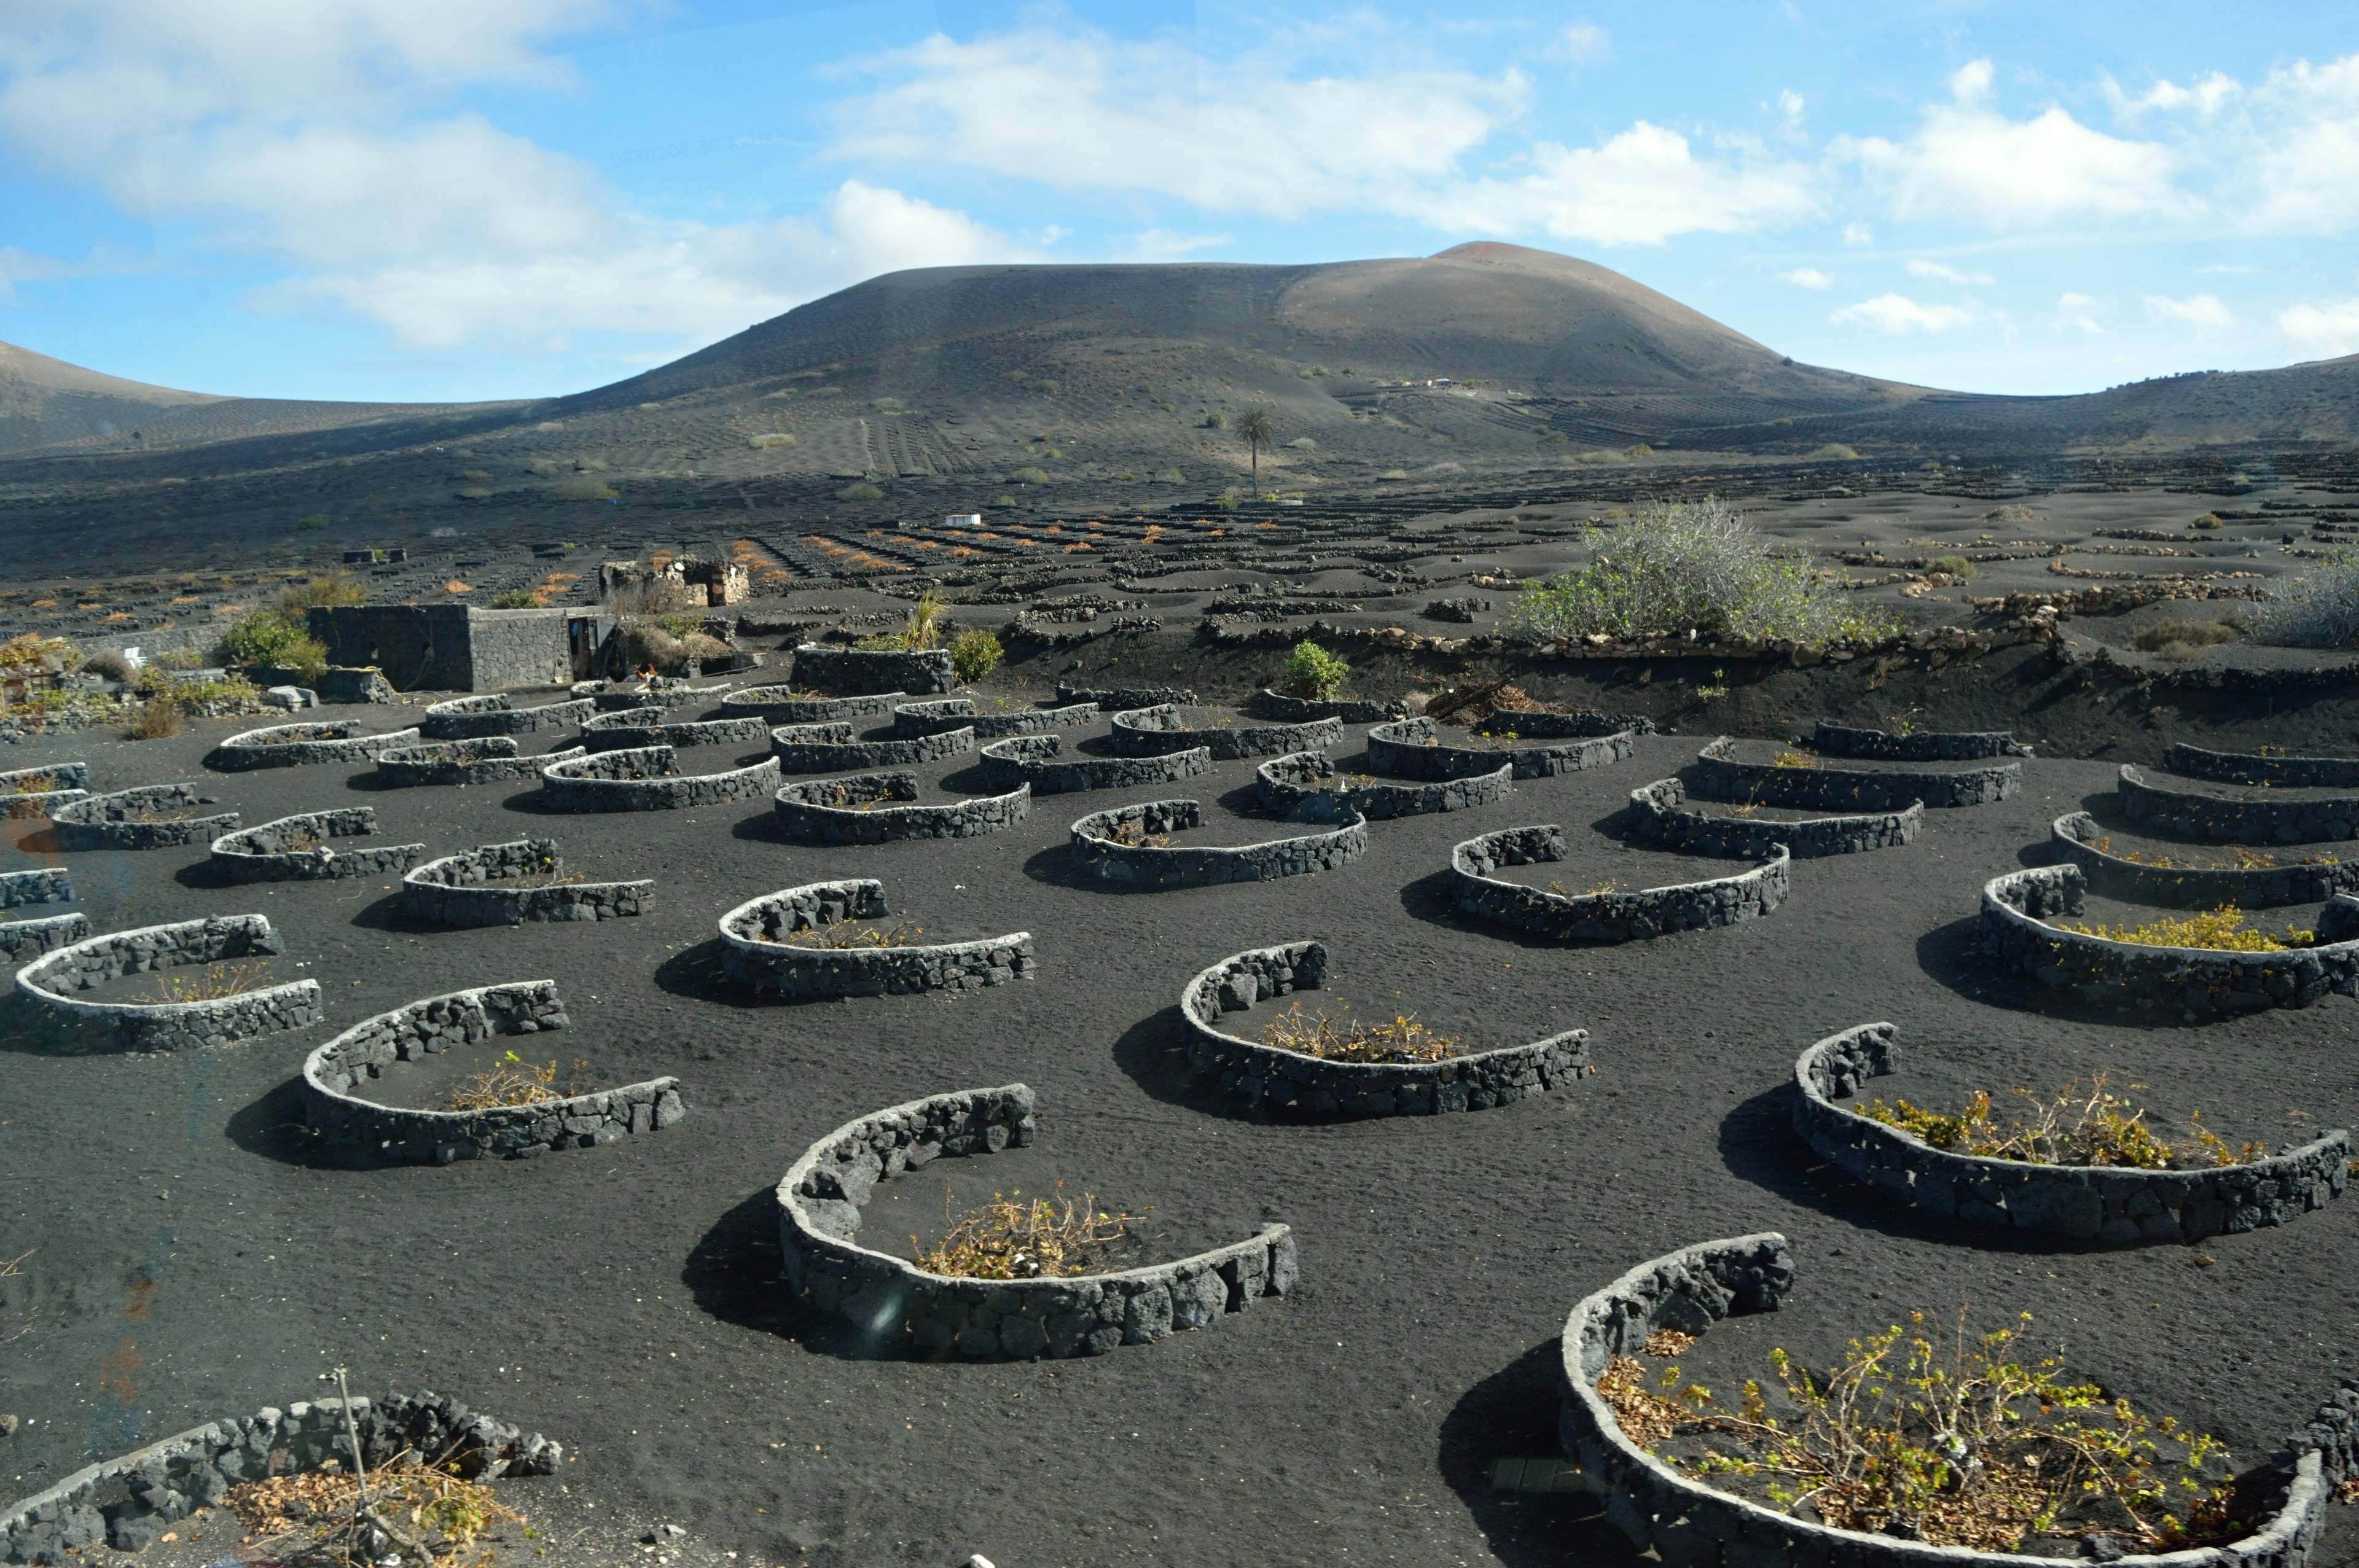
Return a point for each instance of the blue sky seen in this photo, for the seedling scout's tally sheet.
(464, 198)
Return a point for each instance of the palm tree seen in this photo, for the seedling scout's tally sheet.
(1260, 432)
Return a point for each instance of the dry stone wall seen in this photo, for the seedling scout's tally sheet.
(2220, 819)
(1271, 1079)
(303, 745)
(914, 719)
(136, 819)
(1089, 1315)
(1269, 704)
(296, 848)
(360, 1128)
(1600, 916)
(1915, 746)
(464, 891)
(1413, 749)
(2077, 835)
(757, 955)
(1035, 760)
(492, 713)
(638, 728)
(648, 778)
(1720, 776)
(43, 884)
(2099, 1203)
(492, 760)
(129, 1502)
(855, 810)
(1121, 698)
(1307, 784)
(785, 705)
(2237, 768)
(830, 747)
(1547, 724)
(2194, 982)
(1658, 819)
(22, 941)
(60, 1017)
(34, 791)
(857, 672)
(1098, 853)
(1684, 1521)
(1161, 729)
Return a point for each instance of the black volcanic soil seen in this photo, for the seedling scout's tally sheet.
(192, 1256)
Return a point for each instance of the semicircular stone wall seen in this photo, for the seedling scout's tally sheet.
(1101, 856)
(863, 809)
(492, 760)
(1413, 749)
(1685, 1521)
(858, 672)
(1123, 698)
(1271, 1079)
(135, 819)
(913, 720)
(2260, 886)
(2224, 820)
(131, 1501)
(348, 1122)
(755, 953)
(2102, 1202)
(1916, 745)
(1088, 1315)
(1547, 724)
(1309, 783)
(648, 778)
(61, 1018)
(830, 747)
(644, 726)
(493, 713)
(2196, 982)
(1037, 761)
(1600, 916)
(1276, 705)
(22, 941)
(1660, 818)
(2255, 768)
(787, 705)
(1160, 730)
(296, 848)
(42, 885)
(303, 745)
(1720, 775)
(465, 891)
(32, 792)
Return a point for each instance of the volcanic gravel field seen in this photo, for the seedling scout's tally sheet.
(194, 1254)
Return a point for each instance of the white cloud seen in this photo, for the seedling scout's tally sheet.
(1086, 112)
(2226, 269)
(1971, 163)
(1897, 313)
(2206, 95)
(1858, 235)
(1789, 108)
(2328, 329)
(1583, 43)
(1169, 245)
(1920, 268)
(2078, 312)
(1809, 278)
(2202, 311)
(2305, 166)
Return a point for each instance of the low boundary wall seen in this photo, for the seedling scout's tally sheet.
(60, 1018)
(1721, 777)
(361, 1128)
(1086, 1315)
(463, 891)
(1271, 1079)
(1600, 916)
(1657, 818)
(303, 745)
(492, 760)
(295, 848)
(128, 819)
(648, 778)
(2244, 768)
(830, 747)
(1035, 760)
(637, 727)
(1160, 730)
(857, 672)
(853, 811)
(2077, 835)
(2220, 819)
(33, 792)
(1308, 783)
(785, 705)
(43, 884)
(1915, 746)
(755, 953)
(22, 941)
(1413, 749)
(493, 713)
(1179, 865)
(913, 720)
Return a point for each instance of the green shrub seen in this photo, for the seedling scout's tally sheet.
(1313, 671)
(1678, 566)
(515, 599)
(1959, 568)
(2317, 608)
(860, 489)
(328, 588)
(2209, 520)
(312, 524)
(1216, 420)
(582, 487)
(975, 653)
(2183, 636)
(269, 637)
(1028, 476)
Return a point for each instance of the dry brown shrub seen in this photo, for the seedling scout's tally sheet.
(1008, 1238)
